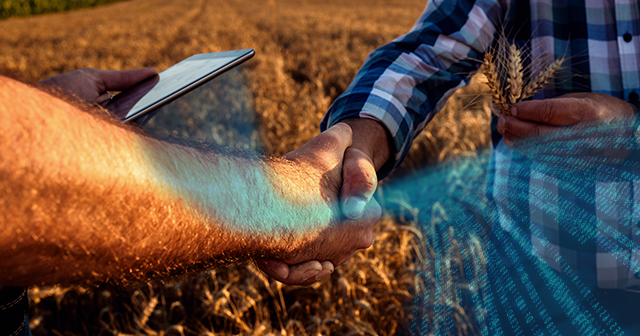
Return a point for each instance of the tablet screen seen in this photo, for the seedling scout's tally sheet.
(173, 82)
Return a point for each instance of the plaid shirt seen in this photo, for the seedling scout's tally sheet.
(404, 83)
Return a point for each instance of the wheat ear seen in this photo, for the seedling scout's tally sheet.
(542, 78)
(515, 74)
(489, 70)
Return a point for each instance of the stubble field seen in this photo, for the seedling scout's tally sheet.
(307, 53)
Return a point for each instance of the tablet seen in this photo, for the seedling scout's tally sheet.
(152, 93)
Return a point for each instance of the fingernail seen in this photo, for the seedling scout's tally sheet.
(310, 273)
(514, 111)
(501, 120)
(354, 207)
(279, 268)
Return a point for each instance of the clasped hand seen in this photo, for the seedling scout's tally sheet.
(336, 244)
(329, 152)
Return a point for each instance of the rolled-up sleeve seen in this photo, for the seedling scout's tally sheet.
(404, 83)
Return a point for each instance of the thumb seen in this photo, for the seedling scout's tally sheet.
(113, 80)
(359, 182)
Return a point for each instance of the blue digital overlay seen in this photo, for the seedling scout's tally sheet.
(541, 239)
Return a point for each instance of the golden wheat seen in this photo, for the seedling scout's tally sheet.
(489, 70)
(307, 54)
(542, 78)
(514, 76)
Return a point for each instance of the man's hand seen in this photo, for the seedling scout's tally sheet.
(355, 185)
(585, 126)
(91, 85)
(153, 208)
(536, 118)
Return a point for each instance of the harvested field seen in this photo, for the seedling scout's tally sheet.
(307, 53)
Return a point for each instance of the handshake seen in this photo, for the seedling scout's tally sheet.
(154, 208)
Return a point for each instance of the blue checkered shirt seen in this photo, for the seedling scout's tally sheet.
(403, 84)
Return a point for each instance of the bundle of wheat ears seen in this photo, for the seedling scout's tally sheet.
(515, 89)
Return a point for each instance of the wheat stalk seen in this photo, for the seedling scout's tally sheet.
(141, 321)
(542, 78)
(489, 70)
(515, 74)
(515, 78)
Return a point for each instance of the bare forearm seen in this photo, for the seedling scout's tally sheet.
(82, 199)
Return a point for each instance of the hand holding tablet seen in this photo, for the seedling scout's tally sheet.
(137, 102)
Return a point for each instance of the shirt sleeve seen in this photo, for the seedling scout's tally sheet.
(404, 83)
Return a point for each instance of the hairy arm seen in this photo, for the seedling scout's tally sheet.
(85, 199)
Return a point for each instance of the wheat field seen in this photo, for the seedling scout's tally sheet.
(307, 52)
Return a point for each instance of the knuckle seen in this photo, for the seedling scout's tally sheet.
(362, 178)
(586, 111)
(546, 111)
(336, 137)
(344, 128)
(370, 183)
(89, 72)
(359, 173)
